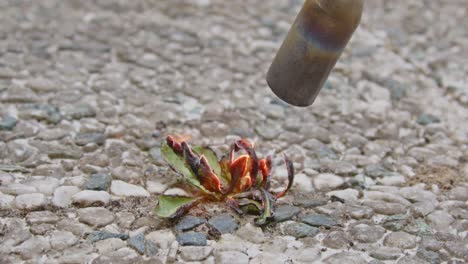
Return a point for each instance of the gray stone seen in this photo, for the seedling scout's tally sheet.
(41, 217)
(99, 182)
(251, 233)
(367, 234)
(327, 181)
(429, 256)
(91, 198)
(8, 122)
(41, 229)
(189, 222)
(336, 240)
(233, 257)
(319, 220)
(95, 216)
(193, 253)
(300, 230)
(395, 222)
(78, 111)
(286, 212)
(30, 202)
(440, 220)
(386, 253)
(223, 224)
(89, 138)
(345, 257)
(386, 208)
(192, 239)
(400, 240)
(32, 247)
(141, 245)
(61, 240)
(457, 249)
(426, 119)
(77, 228)
(102, 235)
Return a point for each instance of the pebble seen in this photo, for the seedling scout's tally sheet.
(193, 253)
(300, 230)
(121, 188)
(345, 257)
(286, 212)
(189, 222)
(31, 201)
(109, 245)
(83, 139)
(251, 233)
(319, 220)
(386, 253)
(232, 257)
(192, 239)
(41, 217)
(77, 228)
(18, 189)
(429, 256)
(95, 216)
(91, 198)
(142, 246)
(327, 181)
(156, 187)
(104, 235)
(99, 182)
(348, 195)
(223, 224)
(400, 240)
(63, 196)
(41, 229)
(46, 186)
(161, 238)
(32, 247)
(367, 234)
(8, 122)
(61, 240)
(336, 240)
(6, 201)
(385, 208)
(395, 222)
(303, 183)
(440, 220)
(459, 193)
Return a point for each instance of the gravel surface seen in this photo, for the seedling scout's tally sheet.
(88, 89)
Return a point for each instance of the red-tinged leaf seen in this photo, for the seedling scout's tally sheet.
(190, 158)
(290, 169)
(174, 145)
(238, 169)
(244, 183)
(248, 147)
(175, 206)
(265, 169)
(207, 178)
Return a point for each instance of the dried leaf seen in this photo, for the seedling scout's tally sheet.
(290, 169)
(174, 206)
(248, 147)
(211, 157)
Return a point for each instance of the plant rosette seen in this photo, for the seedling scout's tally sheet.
(238, 178)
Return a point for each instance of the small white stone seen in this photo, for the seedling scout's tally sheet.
(91, 198)
(327, 181)
(32, 247)
(110, 245)
(251, 233)
(231, 257)
(63, 196)
(161, 238)
(6, 201)
(192, 253)
(18, 189)
(303, 183)
(397, 180)
(30, 201)
(62, 239)
(155, 187)
(121, 188)
(176, 191)
(45, 186)
(349, 195)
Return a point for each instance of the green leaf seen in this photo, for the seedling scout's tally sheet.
(210, 155)
(268, 208)
(178, 164)
(174, 206)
